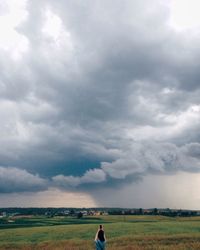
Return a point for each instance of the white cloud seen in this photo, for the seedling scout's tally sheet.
(18, 180)
(91, 176)
(12, 41)
(144, 158)
(184, 14)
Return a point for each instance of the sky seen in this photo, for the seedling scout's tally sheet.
(100, 103)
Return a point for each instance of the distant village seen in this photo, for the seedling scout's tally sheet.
(82, 212)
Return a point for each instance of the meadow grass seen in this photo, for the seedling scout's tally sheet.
(123, 233)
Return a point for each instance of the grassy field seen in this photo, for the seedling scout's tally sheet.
(123, 232)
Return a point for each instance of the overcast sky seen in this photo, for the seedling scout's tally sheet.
(100, 103)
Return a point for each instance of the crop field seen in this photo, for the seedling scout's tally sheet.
(122, 232)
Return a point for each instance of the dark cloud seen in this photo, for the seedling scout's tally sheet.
(98, 93)
(139, 160)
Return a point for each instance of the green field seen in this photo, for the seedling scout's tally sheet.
(123, 232)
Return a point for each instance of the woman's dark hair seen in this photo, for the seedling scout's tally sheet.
(100, 226)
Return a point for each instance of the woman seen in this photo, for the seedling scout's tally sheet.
(100, 239)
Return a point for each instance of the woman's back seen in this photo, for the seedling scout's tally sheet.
(100, 239)
(101, 235)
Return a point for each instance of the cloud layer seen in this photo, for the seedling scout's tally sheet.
(14, 179)
(95, 93)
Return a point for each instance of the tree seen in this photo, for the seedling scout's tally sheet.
(155, 211)
(79, 215)
(140, 211)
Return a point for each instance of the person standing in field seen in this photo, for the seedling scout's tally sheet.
(100, 239)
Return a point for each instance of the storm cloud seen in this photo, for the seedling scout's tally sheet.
(95, 92)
